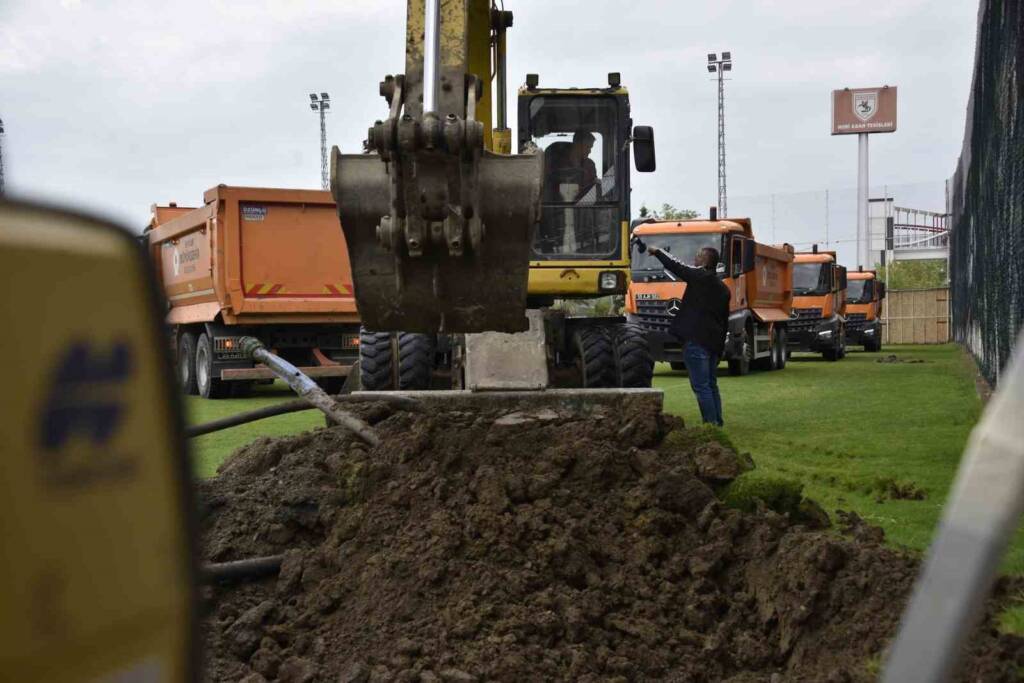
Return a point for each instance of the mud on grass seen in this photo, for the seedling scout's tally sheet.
(540, 546)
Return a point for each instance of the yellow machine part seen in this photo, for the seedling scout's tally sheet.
(95, 535)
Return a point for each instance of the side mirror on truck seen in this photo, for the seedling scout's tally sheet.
(842, 277)
(881, 290)
(749, 251)
(643, 148)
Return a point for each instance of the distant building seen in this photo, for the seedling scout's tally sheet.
(901, 234)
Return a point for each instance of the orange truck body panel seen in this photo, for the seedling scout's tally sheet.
(254, 255)
(763, 294)
(264, 262)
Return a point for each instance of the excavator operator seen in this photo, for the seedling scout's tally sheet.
(571, 163)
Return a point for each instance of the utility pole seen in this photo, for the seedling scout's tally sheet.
(1, 157)
(863, 238)
(826, 219)
(720, 66)
(321, 105)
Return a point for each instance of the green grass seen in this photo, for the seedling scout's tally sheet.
(860, 435)
(210, 450)
(1011, 619)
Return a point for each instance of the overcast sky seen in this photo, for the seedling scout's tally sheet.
(112, 106)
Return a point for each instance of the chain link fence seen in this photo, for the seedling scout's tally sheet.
(987, 194)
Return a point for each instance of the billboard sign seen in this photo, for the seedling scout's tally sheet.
(864, 110)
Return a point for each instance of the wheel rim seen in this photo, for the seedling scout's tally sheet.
(202, 373)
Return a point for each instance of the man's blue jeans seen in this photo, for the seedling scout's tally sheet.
(703, 368)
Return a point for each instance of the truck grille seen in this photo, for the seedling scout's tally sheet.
(855, 321)
(804, 319)
(651, 314)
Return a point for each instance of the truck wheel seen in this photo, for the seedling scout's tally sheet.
(634, 366)
(678, 365)
(208, 385)
(376, 361)
(783, 352)
(831, 354)
(594, 358)
(187, 363)
(873, 346)
(741, 365)
(415, 361)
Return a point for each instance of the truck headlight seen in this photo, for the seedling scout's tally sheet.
(608, 280)
(825, 334)
(869, 331)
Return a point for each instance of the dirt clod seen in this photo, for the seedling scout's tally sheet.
(527, 545)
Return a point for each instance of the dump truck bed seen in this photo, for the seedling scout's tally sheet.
(254, 255)
(770, 285)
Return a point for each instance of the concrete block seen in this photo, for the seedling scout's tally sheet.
(496, 361)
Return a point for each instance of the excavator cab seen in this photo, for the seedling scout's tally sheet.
(580, 248)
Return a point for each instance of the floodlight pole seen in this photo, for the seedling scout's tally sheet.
(721, 66)
(321, 105)
(325, 181)
(722, 202)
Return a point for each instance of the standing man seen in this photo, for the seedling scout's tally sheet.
(700, 323)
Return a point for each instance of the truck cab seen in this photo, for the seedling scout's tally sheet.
(819, 297)
(758, 276)
(864, 294)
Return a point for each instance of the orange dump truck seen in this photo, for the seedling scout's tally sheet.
(819, 288)
(759, 278)
(268, 263)
(863, 312)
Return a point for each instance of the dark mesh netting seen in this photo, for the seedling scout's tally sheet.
(987, 194)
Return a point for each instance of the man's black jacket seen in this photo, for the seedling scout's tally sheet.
(703, 315)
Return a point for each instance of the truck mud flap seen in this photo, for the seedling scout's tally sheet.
(483, 289)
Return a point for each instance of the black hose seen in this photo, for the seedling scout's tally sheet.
(399, 402)
(252, 568)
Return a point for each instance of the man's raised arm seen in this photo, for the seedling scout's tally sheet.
(673, 265)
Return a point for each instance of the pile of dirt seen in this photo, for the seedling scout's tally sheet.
(538, 546)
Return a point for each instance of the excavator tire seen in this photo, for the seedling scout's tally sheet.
(634, 366)
(415, 360)
(677, 365)
(595, 357)
(376, 360)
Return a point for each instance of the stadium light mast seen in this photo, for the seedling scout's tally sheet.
(720, 66)
(321, 105)
(1, 157)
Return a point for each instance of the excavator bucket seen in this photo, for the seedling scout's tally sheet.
(438, 228)
(481, 289)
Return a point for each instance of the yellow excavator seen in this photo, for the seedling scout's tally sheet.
(452, 236)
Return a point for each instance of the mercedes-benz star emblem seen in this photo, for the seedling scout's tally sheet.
(673, 307)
